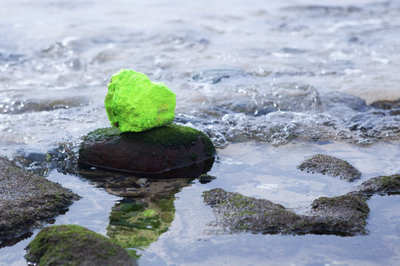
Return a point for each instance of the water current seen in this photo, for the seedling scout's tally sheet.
(269, 82)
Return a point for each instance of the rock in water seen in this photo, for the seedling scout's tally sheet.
(153, 152)
(75, 245)
(26, 200)
(333, 166)
(344, 215)
(134, 103)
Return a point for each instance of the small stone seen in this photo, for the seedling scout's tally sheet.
(134, 103)
(330, 165)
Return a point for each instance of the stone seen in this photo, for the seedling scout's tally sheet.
(75, 245)
(330, 165)
(154, 152)
(26, 200)
(134, 103)
(343, 215)
(381, 185)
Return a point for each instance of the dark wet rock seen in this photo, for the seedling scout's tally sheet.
(386, 105)
(19, 107)
(335, 101)
(26, 199)
(321, 10)
(330, 165)
(344, 215)
(382, 185)
(30, 106)
(75, 245)
(63, 158)
(375, 125)
(289, 50)
(152, 152)
(214, 76)
(204, 179)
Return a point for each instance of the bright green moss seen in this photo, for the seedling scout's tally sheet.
(134, 103)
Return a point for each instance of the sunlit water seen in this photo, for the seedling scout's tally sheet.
(269, 82)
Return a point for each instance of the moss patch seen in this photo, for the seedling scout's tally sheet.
(75, 245)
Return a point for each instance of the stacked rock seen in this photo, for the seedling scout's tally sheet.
(143, 140)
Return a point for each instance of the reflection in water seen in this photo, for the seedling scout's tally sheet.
(138, 223)
(147, 210)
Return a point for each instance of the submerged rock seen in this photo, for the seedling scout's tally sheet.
(75, 245)
(154, 152)
(204, 179)
(387, 105)
(330, 165)
(26, 199)
(344, 215)
(134, 103)
(382, 185)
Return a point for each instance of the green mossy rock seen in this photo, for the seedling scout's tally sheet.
(152, 152)
(75, 245)
(381, 185)
(27, 199)
(343, 215)
(134, 103)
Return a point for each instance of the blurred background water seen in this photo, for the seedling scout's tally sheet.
(281, 73)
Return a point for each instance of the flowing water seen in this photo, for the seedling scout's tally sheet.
(270, 83)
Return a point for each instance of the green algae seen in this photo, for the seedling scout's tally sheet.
(75, 245)
(134, 103)
(330, 165)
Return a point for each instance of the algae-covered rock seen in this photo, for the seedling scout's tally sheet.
(27, 199)
(134, 103)
(381, 185)
(343, 215)
(75, 245)
(330, 165)
(155, 151)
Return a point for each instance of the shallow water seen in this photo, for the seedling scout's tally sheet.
(269, 83)
(261, 171)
